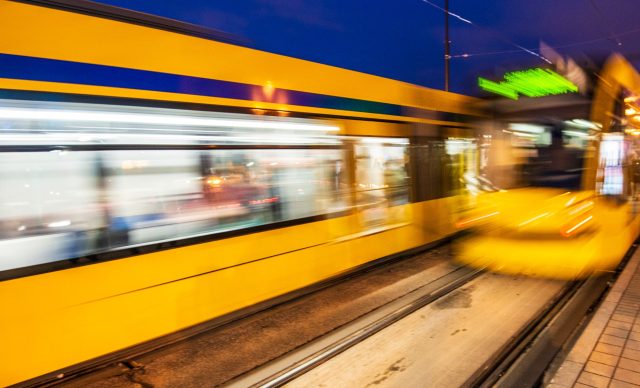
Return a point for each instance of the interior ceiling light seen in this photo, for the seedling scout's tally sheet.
(112, 117)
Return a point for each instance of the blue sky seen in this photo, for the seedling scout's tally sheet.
(403, 39)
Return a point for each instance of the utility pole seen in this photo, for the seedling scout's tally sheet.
(447, 54)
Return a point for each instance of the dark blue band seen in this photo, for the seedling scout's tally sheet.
(51, 70)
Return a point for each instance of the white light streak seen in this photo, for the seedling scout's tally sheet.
(530, 220)
(579, 224)
(59, 224)
(449, 12)
(112, 117)
(473, 24)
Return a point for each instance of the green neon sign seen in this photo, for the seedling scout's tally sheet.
(531, 83)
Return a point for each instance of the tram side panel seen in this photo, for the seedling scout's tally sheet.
(268, 214)
(118, 198)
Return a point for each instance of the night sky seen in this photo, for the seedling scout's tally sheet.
(403, 39)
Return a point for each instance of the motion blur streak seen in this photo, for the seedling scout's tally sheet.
(70, 203)
(570, 178)
(66, 115)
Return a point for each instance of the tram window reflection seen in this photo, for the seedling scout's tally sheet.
(75, 201)
(381, 177)
(63, 205)
(49, 200)
(538, 154)
(461, 166)
(185, 193)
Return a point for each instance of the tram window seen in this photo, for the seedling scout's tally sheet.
(159, 195)
(461, 166)
(560, 164)
(77, 202)
(612, 155)
(305, 182)
(381, 176)
(59, 205)
(429, 161)
(48, 201)
(150, 196)
(446, 167)
(548, 154)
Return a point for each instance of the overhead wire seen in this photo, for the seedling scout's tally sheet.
(579, 43)
(448, 12)
(468, 21)
(605, 22)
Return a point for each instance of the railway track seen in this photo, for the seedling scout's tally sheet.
(372, 285)
(312, 355)
(519, 362)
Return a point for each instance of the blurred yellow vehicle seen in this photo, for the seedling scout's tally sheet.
(547, 232)
(573, 207)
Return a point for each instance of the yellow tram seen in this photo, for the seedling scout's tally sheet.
(154, 179)
(577, 212)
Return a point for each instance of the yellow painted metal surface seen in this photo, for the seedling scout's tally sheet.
(524, 231)
(616, 75)
(532, 239)
(57, 34)
(371, 128)
(58, 319)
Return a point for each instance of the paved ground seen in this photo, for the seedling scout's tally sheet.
(443, 344)
(215, 357)
(607, 354)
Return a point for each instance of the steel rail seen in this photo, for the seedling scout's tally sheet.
(524, 360)
(298, 362)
